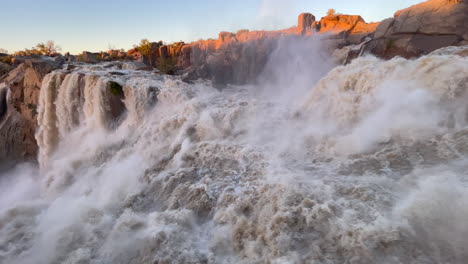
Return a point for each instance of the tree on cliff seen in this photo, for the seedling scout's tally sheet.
(49, 48)
(144, 47)
(331, 12)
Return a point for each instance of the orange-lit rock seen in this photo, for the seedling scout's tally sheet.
(239, 57)
(339, 23)
(422, 28)
(134, 54)
(433, 17)
(184, 58)
(305, 22)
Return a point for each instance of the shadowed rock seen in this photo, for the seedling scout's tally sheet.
(3, 101)
(89, 57)
(4, 69)
(115, 97)
(19, 121)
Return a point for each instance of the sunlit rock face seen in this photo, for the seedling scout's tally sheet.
(305, 22)
(339, 23)
(233, 58)
(238, 58)
(422, 28)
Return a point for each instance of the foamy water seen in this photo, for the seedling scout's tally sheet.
(364, 163)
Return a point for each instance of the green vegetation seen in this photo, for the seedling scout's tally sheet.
(389, 44)
(115, 88)
(168, 65)
(79, 57)
(177, 47)
(114, 55)
(166, 62)
(8, 60)
(144, 47)
(48, 48)
(99, 56)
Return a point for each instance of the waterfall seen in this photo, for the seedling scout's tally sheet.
(367, 165)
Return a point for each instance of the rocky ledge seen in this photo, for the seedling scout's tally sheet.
(421, 29)
(19, 96)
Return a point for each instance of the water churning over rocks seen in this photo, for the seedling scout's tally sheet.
(363, 163)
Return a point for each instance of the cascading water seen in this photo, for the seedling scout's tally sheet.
(369, 166)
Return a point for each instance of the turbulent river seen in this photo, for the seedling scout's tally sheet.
(316, 163)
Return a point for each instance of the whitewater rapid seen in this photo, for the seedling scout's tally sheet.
(363, 163)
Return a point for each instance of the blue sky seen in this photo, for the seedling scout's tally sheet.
(94, 25)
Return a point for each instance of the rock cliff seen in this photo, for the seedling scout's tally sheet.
(19, 95)
(238, 58)
(421, 29)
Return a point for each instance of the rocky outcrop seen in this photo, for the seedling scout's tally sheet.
(88, 57)
(134, 54)
(19, 99)
(183, 60)
(360, 32)
(69, 58)
(305, 23)
(149, 58)
(346, 29)
(421, 29)
(232, 58)
(113, 55)
(239, 58)
(5, 69)
(19, 59)
(339, 23)
(136, 65)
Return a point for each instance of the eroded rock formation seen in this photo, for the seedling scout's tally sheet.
(88, 57)
(5, 69)
(19, 95)
(421, 29)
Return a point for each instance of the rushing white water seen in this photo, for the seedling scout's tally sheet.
(368, 166)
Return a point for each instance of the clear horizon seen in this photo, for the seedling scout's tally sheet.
(100, 25)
